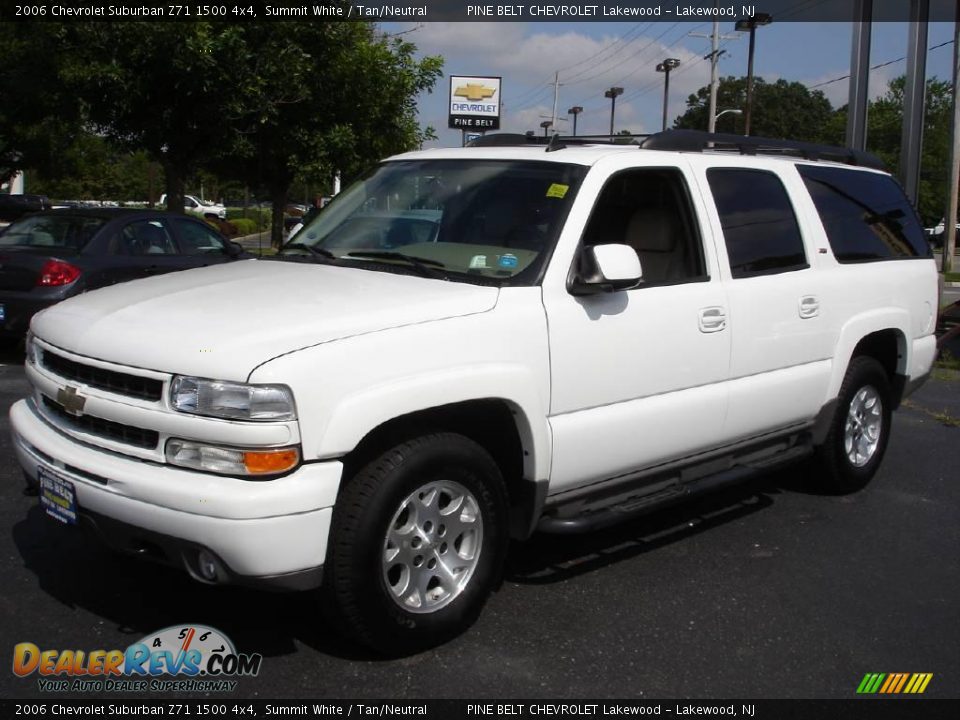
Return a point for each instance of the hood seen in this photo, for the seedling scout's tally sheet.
(224, 320)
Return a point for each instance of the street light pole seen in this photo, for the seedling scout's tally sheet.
(575, 110)
(665, 67)
(731, 111)
(546, 125)
(612, 93)
(751, 24)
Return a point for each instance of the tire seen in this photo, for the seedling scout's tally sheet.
(417, 544)
(859, 431)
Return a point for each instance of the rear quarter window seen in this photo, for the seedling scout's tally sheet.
(866, 215)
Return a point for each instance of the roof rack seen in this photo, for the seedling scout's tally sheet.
(692, 141)
(698, 141)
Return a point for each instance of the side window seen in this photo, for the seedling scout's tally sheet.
(866, 215)
(759, 226)
(146, 237)
(649, 210)
(197, 239)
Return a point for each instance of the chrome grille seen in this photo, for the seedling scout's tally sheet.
(110, 380)
(100, 427)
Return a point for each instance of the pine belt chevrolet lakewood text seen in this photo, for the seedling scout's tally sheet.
(472, 344)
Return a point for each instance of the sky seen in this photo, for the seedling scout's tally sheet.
(592, 57)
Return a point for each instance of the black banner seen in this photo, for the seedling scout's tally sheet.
(867, 708)
(459, 10)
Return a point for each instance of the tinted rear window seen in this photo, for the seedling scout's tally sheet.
(759, 226)
(866, 215)
(55, 231)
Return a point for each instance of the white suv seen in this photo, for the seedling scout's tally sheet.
(196, 206)
(475, 343)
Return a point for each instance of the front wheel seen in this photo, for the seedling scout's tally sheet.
(417, 543)
(857, 439)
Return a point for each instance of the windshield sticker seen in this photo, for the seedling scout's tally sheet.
(557, 190)
(478, 262)
(508, 261)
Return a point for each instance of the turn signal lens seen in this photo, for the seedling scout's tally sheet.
(57, 272)
(263, 462)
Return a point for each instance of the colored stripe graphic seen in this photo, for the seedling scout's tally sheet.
(894, 683)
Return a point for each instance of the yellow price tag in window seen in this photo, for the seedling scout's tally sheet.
(557, 190)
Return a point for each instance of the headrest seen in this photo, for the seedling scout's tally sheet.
(652, 230)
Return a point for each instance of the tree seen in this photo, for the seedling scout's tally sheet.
(169, 89)
(322, 98)
(780, 110)
(40, 118)
(884, 133)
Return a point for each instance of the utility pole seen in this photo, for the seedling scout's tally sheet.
(950, 215)
(556, 92)
(714, 58)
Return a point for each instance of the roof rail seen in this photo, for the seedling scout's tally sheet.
(553, 142)
(699, 141)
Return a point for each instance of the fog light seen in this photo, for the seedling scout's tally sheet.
(206, 565)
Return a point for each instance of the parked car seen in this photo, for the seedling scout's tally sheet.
(52, 255)
(475, 343)
(13, 207)
(195, 206)
(935, 234)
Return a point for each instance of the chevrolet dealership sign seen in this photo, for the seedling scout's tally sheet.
(474, 103)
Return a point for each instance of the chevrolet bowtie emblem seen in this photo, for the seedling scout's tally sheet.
(71, 400)
(474, 92)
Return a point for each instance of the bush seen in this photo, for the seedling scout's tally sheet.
(260, 217)
(245, 226)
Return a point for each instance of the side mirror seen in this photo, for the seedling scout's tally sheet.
(605, 268)
(234, 249)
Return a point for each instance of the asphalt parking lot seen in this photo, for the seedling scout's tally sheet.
(765, 591)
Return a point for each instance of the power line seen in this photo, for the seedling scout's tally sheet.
(875, 67)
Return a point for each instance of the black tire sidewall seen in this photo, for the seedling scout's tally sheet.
(380, 620)
(846, 477)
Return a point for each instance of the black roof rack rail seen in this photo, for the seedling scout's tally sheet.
(698, 141)
(553, 142)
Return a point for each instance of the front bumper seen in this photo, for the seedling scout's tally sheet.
(266, 532)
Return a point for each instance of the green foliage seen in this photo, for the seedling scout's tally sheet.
(259, 217)
(780, 110)
(244, 226)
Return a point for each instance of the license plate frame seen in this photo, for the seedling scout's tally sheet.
(58, 497)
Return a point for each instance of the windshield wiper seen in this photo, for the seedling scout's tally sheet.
(316, 252)
(426, 266)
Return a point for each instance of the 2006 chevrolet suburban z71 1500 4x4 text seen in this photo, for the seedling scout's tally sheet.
(474, 343)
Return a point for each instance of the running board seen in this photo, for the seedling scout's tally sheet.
(594, 514)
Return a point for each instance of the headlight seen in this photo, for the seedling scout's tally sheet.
(232, 400)
(231, 461)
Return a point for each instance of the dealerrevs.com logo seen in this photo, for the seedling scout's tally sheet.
(202, 658)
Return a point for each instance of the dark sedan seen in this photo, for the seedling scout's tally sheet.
(53, 255)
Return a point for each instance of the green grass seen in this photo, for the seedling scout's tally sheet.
(951, 277)
(947, 361)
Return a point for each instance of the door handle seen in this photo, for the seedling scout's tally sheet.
(712, 319)
(809, 306)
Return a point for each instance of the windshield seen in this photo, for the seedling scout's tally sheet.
(490, 219)
(55, 231)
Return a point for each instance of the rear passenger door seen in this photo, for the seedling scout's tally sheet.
(781, 347)
(638, 376)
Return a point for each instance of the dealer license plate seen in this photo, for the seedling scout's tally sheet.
(57, 496)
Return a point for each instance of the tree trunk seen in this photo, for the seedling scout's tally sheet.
(175, 183)
(278, 196)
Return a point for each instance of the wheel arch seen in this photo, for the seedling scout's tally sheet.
(881, 335)
(498, 425)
